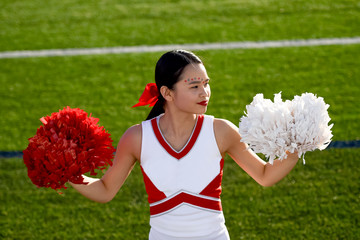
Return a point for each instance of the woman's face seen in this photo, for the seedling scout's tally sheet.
(192, 92)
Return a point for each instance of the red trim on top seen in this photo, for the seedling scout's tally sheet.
(154, 194)
(189, 145)
(214, 188)
(185, 198)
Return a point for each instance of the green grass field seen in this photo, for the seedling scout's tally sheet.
(319, 200)
(37, 24)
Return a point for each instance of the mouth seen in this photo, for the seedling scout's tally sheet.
(203, 103)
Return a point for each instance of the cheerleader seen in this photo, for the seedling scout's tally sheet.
(181, 152)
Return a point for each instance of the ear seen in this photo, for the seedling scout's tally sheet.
(166, 93)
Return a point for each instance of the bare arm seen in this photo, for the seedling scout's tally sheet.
(264, 173)
(127, 152)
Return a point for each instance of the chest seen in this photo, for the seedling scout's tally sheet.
(190, 164)
(192, 173)
(177, 143)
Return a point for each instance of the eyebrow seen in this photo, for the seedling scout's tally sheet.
(198, 81)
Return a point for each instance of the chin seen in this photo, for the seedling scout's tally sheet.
(202, 111)
(197, 110)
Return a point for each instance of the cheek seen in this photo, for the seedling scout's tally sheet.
(186, 97)
(180, 96)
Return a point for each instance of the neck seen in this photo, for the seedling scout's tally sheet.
(178, 124)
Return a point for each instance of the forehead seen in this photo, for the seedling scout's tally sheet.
(194, 70)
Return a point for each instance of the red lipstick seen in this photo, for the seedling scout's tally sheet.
(203, 103)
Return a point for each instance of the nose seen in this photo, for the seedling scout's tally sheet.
(205, 91)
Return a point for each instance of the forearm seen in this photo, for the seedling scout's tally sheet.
(278, 170)
(95, 189)
(263, 173)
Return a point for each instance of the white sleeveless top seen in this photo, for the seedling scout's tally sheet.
(183, 186)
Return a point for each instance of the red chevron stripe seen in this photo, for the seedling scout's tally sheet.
(213, 189)
(190, 144)
(154, 194)
(185, 198)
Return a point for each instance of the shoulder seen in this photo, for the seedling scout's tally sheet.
(226, 133)
(131, 140)
(134, 130)
(133, 133)
(224, 126)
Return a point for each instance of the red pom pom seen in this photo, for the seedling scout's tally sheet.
(68, 145)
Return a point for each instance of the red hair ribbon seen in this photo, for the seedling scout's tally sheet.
(149, 96)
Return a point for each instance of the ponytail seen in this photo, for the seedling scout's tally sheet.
(157, 109)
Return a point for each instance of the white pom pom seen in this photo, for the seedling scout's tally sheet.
(273, 128)
(310, 130)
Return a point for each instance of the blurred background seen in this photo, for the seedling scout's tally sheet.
(319, 200)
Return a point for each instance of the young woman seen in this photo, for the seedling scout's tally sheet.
(181, 153)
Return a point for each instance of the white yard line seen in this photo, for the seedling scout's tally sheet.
(195, 46)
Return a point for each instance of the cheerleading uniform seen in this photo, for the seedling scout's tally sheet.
(183, 186)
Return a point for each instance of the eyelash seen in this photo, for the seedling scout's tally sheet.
(206, 84)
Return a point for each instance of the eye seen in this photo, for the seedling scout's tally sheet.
(207, 83)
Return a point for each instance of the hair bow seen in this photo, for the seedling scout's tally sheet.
(149, 96)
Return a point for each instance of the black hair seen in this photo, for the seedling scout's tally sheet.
(167, 72)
